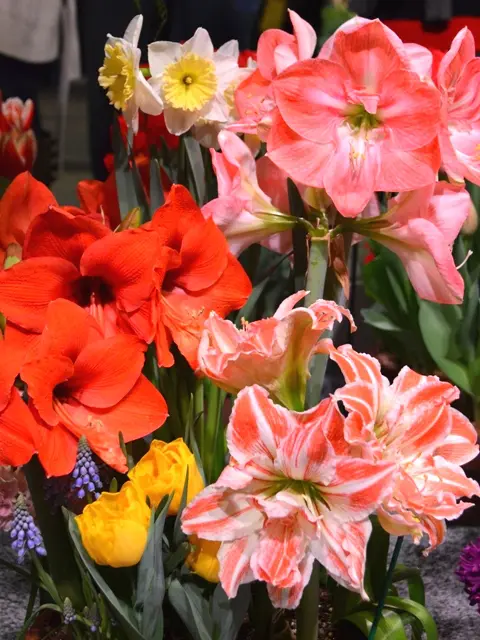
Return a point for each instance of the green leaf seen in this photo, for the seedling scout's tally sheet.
(417, 610)
(379, 320)
(190, 603)
(124, 614)
(229, 614)
(123, 178)
(299, 236)
(140, 195)
(196, 168)
(377, 558)
(413, 577)
(390, 627)
(150, 577)
(439, 325)
(178, 535)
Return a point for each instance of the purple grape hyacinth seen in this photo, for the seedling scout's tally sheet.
(25, 533)
(86, 476)
(468, 571)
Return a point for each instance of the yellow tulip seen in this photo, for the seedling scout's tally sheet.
(114, 528)
(163, 470)
(202, 560)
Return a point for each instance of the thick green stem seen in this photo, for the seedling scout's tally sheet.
(61, 561)
(211, 428)
(307, 612)
(199, 416)
(317, 272)
(386, 587)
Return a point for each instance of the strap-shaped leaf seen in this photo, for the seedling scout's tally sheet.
(151, 578)
(417, 610)
(123, 613)
(416, 588)
(189, 601)
(390, 627)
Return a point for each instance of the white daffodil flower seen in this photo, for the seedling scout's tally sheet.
(193, 80)
(122, 77)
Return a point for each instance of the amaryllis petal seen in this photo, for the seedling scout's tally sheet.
(342, 551)
(289, 598)
(234, 558)
(23, 200)
(277, 555)
(126, 261)
(57, 449)
(256, 426)
(13, 349)
(28, 286)
(42, 375)
(106, 370)
(221, 515)
(61, 235)
(358, 485)
(17, 431)
(460, 446)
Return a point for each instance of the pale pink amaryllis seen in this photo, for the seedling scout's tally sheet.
(414, 56)
(410, 422)
(287, 499)
(458, 79)
(243, 211)
(420, 227)
(276, 51)
(359, 122)
(273, 352)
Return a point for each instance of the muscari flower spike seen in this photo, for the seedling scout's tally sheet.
(86, 476)
(24, 532)
(69, 614)
(468, 571)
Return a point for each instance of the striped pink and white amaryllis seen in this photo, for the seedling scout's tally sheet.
(409, 422)
(273, 352)
(286, 499)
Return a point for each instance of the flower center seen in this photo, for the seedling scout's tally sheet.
(359, 118)
(117, 75)
(308, 490)
(190, 83)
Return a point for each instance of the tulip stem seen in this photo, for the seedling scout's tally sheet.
(386, 587)
(316, 276)
(307, 612)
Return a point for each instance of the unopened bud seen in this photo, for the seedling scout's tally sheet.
(471, 223)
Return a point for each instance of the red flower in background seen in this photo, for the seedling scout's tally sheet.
(24, 199)
(18, 145)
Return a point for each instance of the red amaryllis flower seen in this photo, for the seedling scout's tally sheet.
(185, 270)
(18, 145)
(24, 199)
(81, 384)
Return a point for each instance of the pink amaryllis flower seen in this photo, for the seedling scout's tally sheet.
(276, 51)
(359, 122)
(273, 352)
(243, 211)
(412, 423)
(287, 499)
(420, 227)
(458, 79)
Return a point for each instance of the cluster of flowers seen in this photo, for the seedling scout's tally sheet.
(114, 529)
(18, 144)
(369, 113)
(84, 294)
(82, 305)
